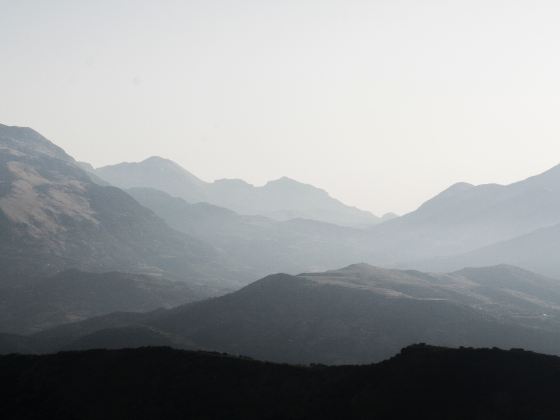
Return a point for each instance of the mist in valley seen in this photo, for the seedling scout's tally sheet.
(283, 210)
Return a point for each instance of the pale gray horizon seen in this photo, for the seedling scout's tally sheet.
(381, 103)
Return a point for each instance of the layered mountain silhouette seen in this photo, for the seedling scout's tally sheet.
(466, 217)
(358, 314)
(282, 199)
(421, 382)
(74, 248)
(54, 217)
(261, 245)
(461, 220)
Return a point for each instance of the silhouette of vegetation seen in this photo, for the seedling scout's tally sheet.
(162, 383)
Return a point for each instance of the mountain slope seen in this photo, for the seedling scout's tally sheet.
(72, 296)
(53, 217)
(466, 217)
(354, 315)
(536, 251)
(283, 199)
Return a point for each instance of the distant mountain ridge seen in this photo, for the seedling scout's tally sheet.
(538, 251)
(461, 220)
(282, 199)
(158, 173)
(56, 214)
(466, 217)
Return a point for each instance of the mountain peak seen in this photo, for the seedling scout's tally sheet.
(158, 160)
(281, 199)
(154, 172)
(286, 181)
(27, 140)
(289, 185)
(359, 267)
(459, 187)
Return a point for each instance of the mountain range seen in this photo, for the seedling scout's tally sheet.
(536, 251)
(282, 199)
(148, 254)
(465, 218)
(464, 225)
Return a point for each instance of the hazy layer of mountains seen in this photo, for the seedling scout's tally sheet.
(259, 244)
(76, 247)
(465, 218)
(283, 199)
(421, 382)
(473, 225)
(538, 251)
(358, 314)
(465, 225)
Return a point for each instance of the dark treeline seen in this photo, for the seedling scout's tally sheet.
(161, 383)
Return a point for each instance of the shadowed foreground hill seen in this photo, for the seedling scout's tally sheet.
(72, 296)
(159, 383)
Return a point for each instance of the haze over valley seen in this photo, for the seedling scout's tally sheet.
(145, 254)
(279, 210)
(73, 235)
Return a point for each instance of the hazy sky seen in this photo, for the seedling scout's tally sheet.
(382, 103)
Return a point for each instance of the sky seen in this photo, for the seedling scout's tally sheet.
(381, 103)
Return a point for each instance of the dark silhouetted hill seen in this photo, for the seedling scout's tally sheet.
(421, 382)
